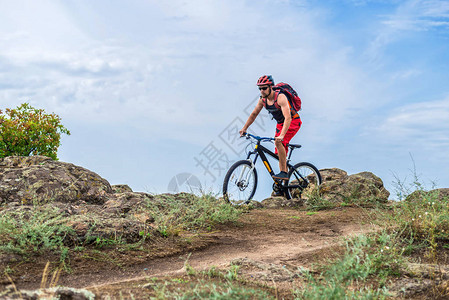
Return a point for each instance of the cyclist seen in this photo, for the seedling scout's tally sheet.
(288, 120)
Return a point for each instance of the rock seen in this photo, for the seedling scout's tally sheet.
(430, 196)
(80, 228)
(116, 230)
(122, 203)
(427, 271)
(409, 287)
(75, 294)
(420, 279)
(117, 224)
(281, 202)
(254, 204)
(39, 180)
(260, 270)
(50, 293)
(121, 188)
(333, 174)
(337, 187)
(7, 258)
(368, 186)
(144, 218)
(114, 222)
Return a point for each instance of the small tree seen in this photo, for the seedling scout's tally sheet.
(26, 131)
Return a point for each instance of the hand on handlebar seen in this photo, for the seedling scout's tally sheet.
(279, 138)
(242, 132)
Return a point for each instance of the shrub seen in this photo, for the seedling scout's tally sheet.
(26, 131)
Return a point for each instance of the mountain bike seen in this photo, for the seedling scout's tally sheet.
(240, 182)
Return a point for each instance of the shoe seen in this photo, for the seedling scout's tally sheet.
(282, 175)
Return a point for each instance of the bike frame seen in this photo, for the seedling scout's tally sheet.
(260, 150)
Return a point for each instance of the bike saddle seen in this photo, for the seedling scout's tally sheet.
(292, 146)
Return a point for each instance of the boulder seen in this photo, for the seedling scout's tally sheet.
(333, 174)
(40, 179)
(338, 187)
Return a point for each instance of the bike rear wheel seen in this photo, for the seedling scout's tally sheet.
(303, 176)
(240, 183)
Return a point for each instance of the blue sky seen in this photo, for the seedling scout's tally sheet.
(151, 88)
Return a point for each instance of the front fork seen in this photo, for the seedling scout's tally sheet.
(253, 165)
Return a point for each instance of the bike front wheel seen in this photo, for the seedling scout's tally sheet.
(302, 177)
(240, 183)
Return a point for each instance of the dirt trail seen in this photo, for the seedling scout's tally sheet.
(284, 237)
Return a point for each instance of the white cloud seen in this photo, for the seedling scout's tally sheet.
(409, 16)
(30, 29)
(421, 124)
(405, 74)
(419, 15)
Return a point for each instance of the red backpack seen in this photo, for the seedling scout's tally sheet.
(292, 96)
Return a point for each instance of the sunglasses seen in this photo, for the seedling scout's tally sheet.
(263, 88)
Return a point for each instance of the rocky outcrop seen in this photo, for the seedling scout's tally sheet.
(95, 210)
(338, 187)
(76, 197)
(40, 180)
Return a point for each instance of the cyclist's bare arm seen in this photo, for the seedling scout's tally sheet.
(252, 116)
(285, 107)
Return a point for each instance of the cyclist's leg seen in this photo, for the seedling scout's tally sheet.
(280, 150)
(283, 151)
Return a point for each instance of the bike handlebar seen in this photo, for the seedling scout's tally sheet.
(259, 138)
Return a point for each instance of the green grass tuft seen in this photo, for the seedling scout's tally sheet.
(366, 257)
(32, 231)
(176, 213)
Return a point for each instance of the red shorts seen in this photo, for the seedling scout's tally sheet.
(292, 130)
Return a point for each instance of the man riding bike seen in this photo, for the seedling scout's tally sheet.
(288, 120)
